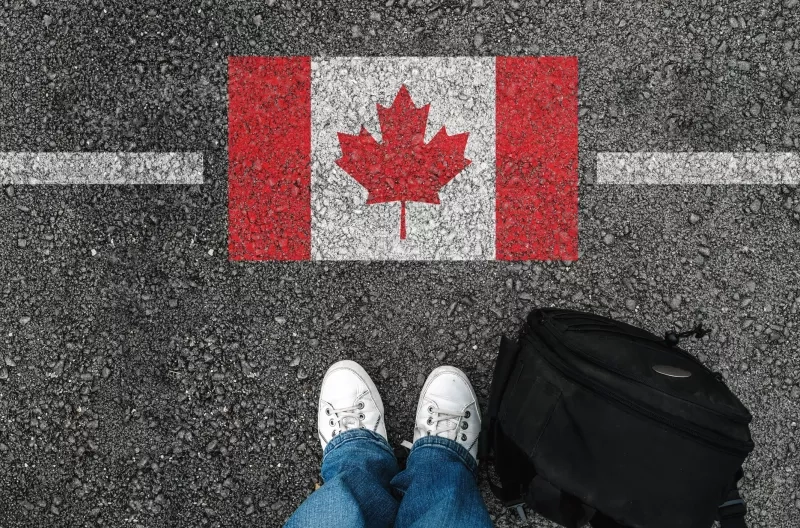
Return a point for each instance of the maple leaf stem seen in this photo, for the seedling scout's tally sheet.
(402, 220)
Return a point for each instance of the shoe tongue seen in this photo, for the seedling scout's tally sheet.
(345, 399)
(348, 421)
(449, 427)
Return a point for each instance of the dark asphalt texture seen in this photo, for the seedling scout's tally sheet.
(147, 381)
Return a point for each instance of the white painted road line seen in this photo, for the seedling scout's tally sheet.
(686, 168)
(101, 168)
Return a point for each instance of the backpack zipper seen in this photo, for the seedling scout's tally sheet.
(717, 378)
(615, 330)
(732, 446)
(612, 328)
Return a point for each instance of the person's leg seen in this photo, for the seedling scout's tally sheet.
(357, 463)
(438, 484)
(356, 469)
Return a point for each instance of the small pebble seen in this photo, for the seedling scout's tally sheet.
(58, 370)
(675, 302)
(694, 218)
(608, 239)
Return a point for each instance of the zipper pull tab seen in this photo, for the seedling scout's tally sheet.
(672, 338)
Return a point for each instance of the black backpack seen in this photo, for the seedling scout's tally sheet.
(595, 421)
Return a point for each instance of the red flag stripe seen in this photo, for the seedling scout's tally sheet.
(536, 207)
(269, 158)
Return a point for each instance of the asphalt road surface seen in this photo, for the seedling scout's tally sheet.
(148, 381)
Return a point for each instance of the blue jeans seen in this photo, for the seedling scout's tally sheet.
(364, 486)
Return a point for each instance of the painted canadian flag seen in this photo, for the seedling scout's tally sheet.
(403, 158)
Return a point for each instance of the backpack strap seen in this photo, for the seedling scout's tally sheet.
(557, 505)
(506, 360)
(508, 492)
(731, 512)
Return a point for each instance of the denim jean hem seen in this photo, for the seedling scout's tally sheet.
(363, 435)
(439, 442)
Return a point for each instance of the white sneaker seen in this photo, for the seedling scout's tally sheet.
(448, 408)
(348, 399)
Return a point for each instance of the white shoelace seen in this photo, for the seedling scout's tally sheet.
(438, 416)
(346, 418)
(434, 427)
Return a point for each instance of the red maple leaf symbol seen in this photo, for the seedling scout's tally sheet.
(402, 167)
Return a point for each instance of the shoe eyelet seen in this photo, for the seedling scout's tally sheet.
(361, 405)
(427, 433)
(328, 411)
(464, 425)
(430, 421)
(361, 416)
(466, 414)
(430, 409)
(330, 422)
(463, 438)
